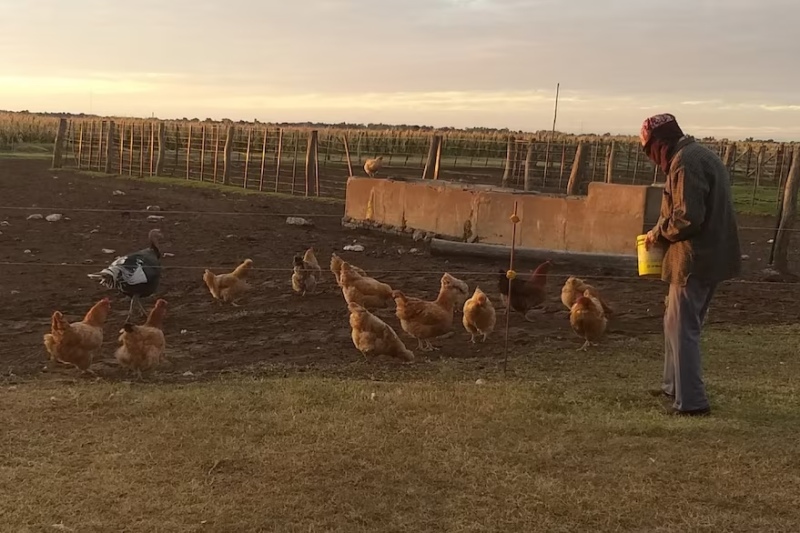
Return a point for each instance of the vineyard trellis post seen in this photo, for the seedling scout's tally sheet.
(316, 165)
(162, 149)
(189, 153)
(758, 172)
(264, 163)
(311, 163)
(576, 175)
(58, 148)
(510, 156)
(431, 163)
(80, 146)
(436, 168)
(91, 144)
(227, 163)
(610, 159)
(278, 156)
(563, 165)
(152, 161)
(202, 151)
(121, 161)
(99, 147)
(786, 216)
(247, 156)
(216, 153)
(729, 158)
(347, 155)
(110, 148)
(130, 147)
(528, 181)
(141, 150)
(296, 143)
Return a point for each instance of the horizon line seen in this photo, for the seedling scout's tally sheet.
(360, 125)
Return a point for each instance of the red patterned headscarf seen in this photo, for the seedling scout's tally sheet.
(659, 135)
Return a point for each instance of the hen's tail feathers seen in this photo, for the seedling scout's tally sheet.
(50, 346)
(58, 322)
(106, 277)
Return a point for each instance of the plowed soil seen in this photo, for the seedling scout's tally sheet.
(44, 266)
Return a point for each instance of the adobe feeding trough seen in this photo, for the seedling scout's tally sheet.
(474, 220)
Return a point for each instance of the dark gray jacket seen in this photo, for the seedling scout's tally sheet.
(698, 222)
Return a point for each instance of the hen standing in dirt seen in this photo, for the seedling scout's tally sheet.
(525, 293)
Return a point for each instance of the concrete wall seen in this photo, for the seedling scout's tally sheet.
(606, 221)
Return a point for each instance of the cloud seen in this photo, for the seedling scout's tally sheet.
(779, 107)
(59, 86)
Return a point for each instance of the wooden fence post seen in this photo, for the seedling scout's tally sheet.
(264, 162)
(438, 165)
(563, 165)
(578, 171)
(162, 148)
(121, 147)
(610, 160)
(430, 170)
(296, 143)
(80, 146)
(316, 165)
(91, 145)
(787, 215)
(278, 158)
(202, 150)
(99, 148)
(58, 148)
(729, 158)
(247, 156)
(109, 147)
(510, 157)
(141, 151)
(758, 172)
(347, 155)
(528, 169)
(152, 149)
(227, 164)
(189, 153)
(311, 162)
(133, 137)
(216, 152)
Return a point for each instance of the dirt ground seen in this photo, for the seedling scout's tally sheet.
(275, 327)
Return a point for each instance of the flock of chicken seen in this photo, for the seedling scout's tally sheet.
(137, 275)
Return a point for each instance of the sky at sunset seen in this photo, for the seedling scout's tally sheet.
(725, 68)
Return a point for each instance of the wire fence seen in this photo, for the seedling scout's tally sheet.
(318, 161)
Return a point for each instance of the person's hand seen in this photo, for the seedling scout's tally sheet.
(650, 239)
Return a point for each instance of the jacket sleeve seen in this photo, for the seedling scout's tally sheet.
(688, 189)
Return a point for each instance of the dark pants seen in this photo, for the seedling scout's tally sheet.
(683, 371)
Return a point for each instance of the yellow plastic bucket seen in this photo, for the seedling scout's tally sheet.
(649, 260)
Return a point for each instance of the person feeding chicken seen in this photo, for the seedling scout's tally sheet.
(697, 226)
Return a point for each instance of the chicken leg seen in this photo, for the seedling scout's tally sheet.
(585, 347)
(135, 301)
(130, 309)
(425, 345)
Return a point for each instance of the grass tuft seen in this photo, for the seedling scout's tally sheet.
(568, 442)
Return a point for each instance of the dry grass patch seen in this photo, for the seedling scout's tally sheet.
(570, 442)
